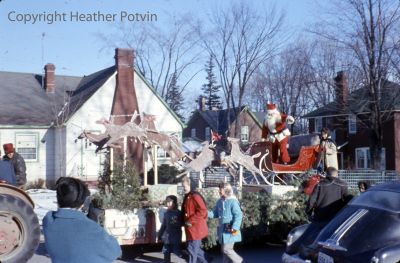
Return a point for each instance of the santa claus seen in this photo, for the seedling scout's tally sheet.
(274, 130)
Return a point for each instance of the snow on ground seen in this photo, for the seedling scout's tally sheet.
(45, 200)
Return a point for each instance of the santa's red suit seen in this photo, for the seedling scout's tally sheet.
(274, 130)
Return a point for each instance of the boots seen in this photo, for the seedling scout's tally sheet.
(167, 257)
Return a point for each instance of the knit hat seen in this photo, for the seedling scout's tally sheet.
(8, 148)
(71, 192)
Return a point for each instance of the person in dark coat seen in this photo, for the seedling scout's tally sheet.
(17, 162)
(328, 197)
(70, 236)
(195, 215)
(171, 229)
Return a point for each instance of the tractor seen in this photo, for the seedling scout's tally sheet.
(19, 225)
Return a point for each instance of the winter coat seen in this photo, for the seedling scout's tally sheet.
(18, 163)
(171, 227)
(329, 154)
(228, 211)
(194, 212)
(71, 237)
(327, 198)
(7, 173)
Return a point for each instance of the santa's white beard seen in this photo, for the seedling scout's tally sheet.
(272, 120)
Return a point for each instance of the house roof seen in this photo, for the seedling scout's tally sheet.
(358, 102)
(24, 102)
(86, 88)
(218, 119)
(38, 108)
(258, 116)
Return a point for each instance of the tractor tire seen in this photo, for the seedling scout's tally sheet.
(19, 230)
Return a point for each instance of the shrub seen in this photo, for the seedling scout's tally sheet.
(255, 217)
(37, 184)
(124, 193)
(211, 240)
(166, 175)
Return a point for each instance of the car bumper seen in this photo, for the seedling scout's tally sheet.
(286, 258)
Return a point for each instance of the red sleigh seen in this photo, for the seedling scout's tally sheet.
(305, 161)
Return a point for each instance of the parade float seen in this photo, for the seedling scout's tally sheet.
(257, 166)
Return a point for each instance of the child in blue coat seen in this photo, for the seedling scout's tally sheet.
(229, 214)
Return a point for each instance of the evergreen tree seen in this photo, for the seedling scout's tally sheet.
(211, 89)
(174, 96)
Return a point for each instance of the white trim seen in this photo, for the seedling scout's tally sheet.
(246, 129)
(352, 120)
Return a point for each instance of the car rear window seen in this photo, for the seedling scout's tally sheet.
(384, 200)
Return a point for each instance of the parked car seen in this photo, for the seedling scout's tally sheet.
(366, 230)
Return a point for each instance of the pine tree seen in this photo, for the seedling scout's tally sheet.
(211, 89)
(174, 97)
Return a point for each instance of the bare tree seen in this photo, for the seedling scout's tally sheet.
(240, 39)
(367, 31)
(160, 54)
(283, 80)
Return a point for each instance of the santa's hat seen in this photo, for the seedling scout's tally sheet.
(271, 108)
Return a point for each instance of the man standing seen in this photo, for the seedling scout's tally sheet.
(18, 163)
(328, 150)
(195, 215)
(327, 198)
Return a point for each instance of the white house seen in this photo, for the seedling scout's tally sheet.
(43, 116)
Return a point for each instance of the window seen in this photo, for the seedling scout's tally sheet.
(363, 158)
(318, 124)
(244, 133)
(193, 133)
(352, 124)
(161, 153)
(207, 132)
(27, 146)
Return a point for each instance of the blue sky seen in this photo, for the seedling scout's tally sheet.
(74, 47)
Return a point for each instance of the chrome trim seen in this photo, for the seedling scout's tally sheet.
(333, 241)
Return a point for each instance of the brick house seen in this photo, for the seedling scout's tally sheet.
(346, 117)
(203, 121)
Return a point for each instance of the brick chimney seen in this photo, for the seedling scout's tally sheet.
(49, 78)
(125, 101)
(342, 88)
(202, 103)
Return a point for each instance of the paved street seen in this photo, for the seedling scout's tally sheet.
(255, 254)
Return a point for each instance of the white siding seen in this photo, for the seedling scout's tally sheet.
(150, 104)
(35, 169)
(80, 157)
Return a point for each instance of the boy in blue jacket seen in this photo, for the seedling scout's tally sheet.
(71, 237)
(229, 214)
